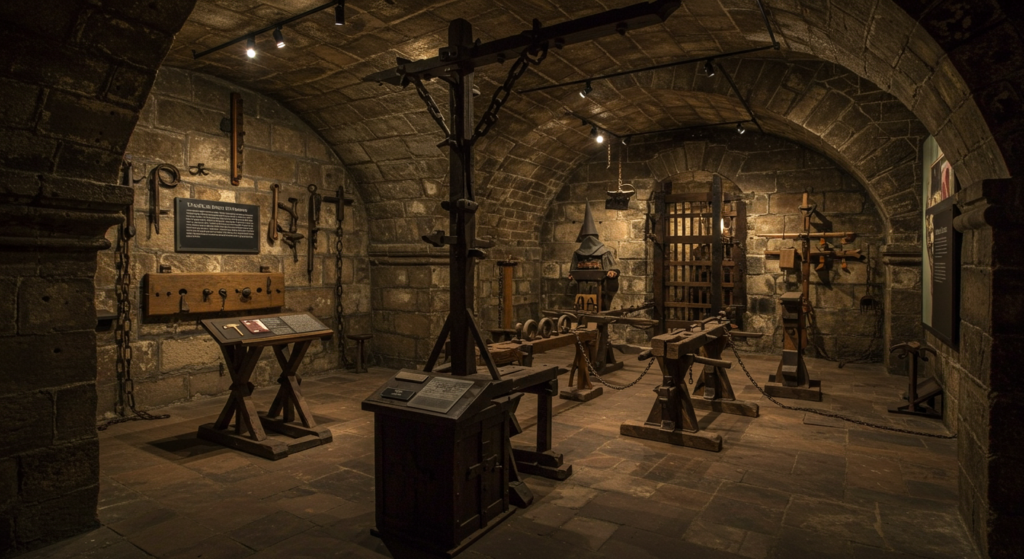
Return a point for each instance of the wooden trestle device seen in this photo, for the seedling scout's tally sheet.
(444, 470)
(672, 419)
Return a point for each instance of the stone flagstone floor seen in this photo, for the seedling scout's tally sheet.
(787, 484)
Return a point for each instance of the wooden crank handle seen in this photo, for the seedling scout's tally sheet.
(742, 334)
(709, 361)
(645, 355)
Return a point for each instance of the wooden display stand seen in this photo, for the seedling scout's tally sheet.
(713, 390)
(242, 350)
(672, 419)
(791, 379)
(584, 391)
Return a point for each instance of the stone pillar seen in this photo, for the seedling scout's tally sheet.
(50, 231)
(991, 397)
(902, 302)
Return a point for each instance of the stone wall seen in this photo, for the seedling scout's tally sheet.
(771, 173)
(174, 359)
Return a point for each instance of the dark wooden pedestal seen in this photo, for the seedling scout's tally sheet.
(242, 350)
(791, 379)
(584, 390)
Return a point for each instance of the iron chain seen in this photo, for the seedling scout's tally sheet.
(432, 108)
(593, 371)
(739, 360)
(123, 330)
(339, 310)
(501, 94)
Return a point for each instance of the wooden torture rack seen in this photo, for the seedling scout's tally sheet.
(289, 415)
(672, 419)
(445, 476)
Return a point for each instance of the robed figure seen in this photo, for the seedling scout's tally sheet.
(593, 256)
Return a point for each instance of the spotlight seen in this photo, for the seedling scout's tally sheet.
(709, 68)
(279, 38)
(586, 90)
(339, 13)
(596, 134)
(250, 46)
(740, 129)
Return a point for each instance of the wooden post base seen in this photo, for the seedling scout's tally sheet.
(811, 393)
(611, 368)
(585, 395)
(272, 449)
(545, 464)
(400, 546)
(701, 440)
(734, 407)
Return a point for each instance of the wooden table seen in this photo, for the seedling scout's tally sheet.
(242, 349)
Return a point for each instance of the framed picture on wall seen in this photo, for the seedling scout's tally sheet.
(940, 250)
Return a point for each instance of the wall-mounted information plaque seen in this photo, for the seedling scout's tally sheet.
(208, 226)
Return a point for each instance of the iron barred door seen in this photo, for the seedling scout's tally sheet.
(689, 250)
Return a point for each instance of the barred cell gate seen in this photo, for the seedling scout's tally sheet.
(697, 233)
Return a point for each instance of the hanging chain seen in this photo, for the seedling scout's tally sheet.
(123, 329)
(728, 338)
(501, 290)
(501, 94)
(432, 108)
(590, 367)
(339, 310)
(609, 165)
(620, 165)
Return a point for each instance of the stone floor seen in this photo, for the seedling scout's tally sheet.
(786, 484)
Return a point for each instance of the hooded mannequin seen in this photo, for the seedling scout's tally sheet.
(593, 255)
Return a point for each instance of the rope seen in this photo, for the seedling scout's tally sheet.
(825, 413)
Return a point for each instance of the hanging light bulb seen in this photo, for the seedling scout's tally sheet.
(250, 47)
(339, 13)
(709, 68)
(740, 129)
(596, 134)
(586, 90)
(279, 38)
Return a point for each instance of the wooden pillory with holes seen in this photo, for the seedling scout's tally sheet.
(242, 350)
(672, 419)
(699, 255)
(791, 379)
(443, 475)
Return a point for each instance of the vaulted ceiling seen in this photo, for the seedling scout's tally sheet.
(858, 80)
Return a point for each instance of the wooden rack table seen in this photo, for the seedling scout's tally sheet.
(242, 349)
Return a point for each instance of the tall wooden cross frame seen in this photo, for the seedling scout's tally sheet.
(791, 380)
(455, 64)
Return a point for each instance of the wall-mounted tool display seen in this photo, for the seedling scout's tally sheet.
(156, 182)
(175, 294)
(237, 138)
(291, 237)
(275, 193)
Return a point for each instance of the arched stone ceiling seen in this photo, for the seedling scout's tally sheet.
(386, 138)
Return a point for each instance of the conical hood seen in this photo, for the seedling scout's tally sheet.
(588, 228)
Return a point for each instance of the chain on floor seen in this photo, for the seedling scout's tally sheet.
(826, 413)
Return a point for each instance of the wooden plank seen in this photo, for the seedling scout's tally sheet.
(810, 394)
(734, 407)
(163, 293)
(659, 255)
(701, 440)
(716, 244)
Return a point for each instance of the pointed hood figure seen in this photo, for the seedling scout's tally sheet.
(593, 255)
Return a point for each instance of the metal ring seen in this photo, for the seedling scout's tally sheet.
(529, 330)
(564, 323)
(546, 327)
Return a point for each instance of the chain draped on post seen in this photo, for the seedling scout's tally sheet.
(590, 367)
(490, 117)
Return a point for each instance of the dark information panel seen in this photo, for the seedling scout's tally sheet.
(208, 226)
(943, 245)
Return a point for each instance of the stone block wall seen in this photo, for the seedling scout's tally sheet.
(771, 173)
(174, 359)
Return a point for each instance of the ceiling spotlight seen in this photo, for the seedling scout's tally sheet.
(586, 90)
(250, 46)
(596, 134)
(625, 140)
(709, 68)
(339, 13)
(740, 129)
(279, 38)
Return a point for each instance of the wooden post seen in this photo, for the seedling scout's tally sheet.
(507, 268)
